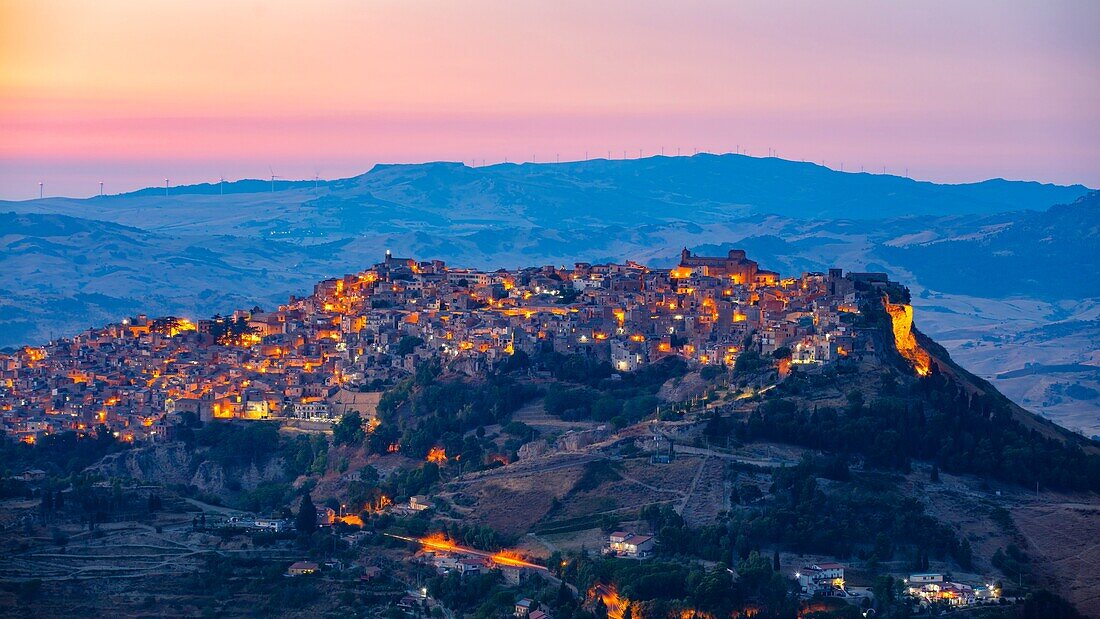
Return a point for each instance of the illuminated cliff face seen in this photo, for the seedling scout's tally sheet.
(902, 318)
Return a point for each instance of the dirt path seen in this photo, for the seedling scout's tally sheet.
(691, 489)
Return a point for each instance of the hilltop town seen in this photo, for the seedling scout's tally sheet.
(365, 331)
(538, 442)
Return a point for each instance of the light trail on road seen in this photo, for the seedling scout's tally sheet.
(439, 542)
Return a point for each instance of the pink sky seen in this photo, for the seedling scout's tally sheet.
(130, 91)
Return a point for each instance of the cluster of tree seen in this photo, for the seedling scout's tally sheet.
(349, 430)
(1012, 561)
(409, 482)
(938, 421)
(227, 330)
(659, 589)
(748, 362)
(471, 593)
(867, 517)
(95, 504)
(441, 412)
(60, 454)
(165, 324)
(574, 368)
(846, 520)
(224, 578)
(627, 398)
(303, 454)
(484, 538)
(239, 444)
(407, 345)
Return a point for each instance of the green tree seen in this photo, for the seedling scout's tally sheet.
(349, 430)
(306, 522)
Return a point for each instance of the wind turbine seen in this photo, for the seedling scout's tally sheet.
(40, 184)
(273, 177)
(165, 188)
(101, 189)
(221, 184)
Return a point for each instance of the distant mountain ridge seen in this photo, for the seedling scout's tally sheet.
(244, 185)
(1051, 254)
(710, 184)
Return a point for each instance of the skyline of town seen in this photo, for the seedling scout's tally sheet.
(365, 331)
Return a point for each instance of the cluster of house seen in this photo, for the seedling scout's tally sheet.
(934, 588)
(827, 580)
(307, 568)
(326, 517)
(313, 356)
(821, 579)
